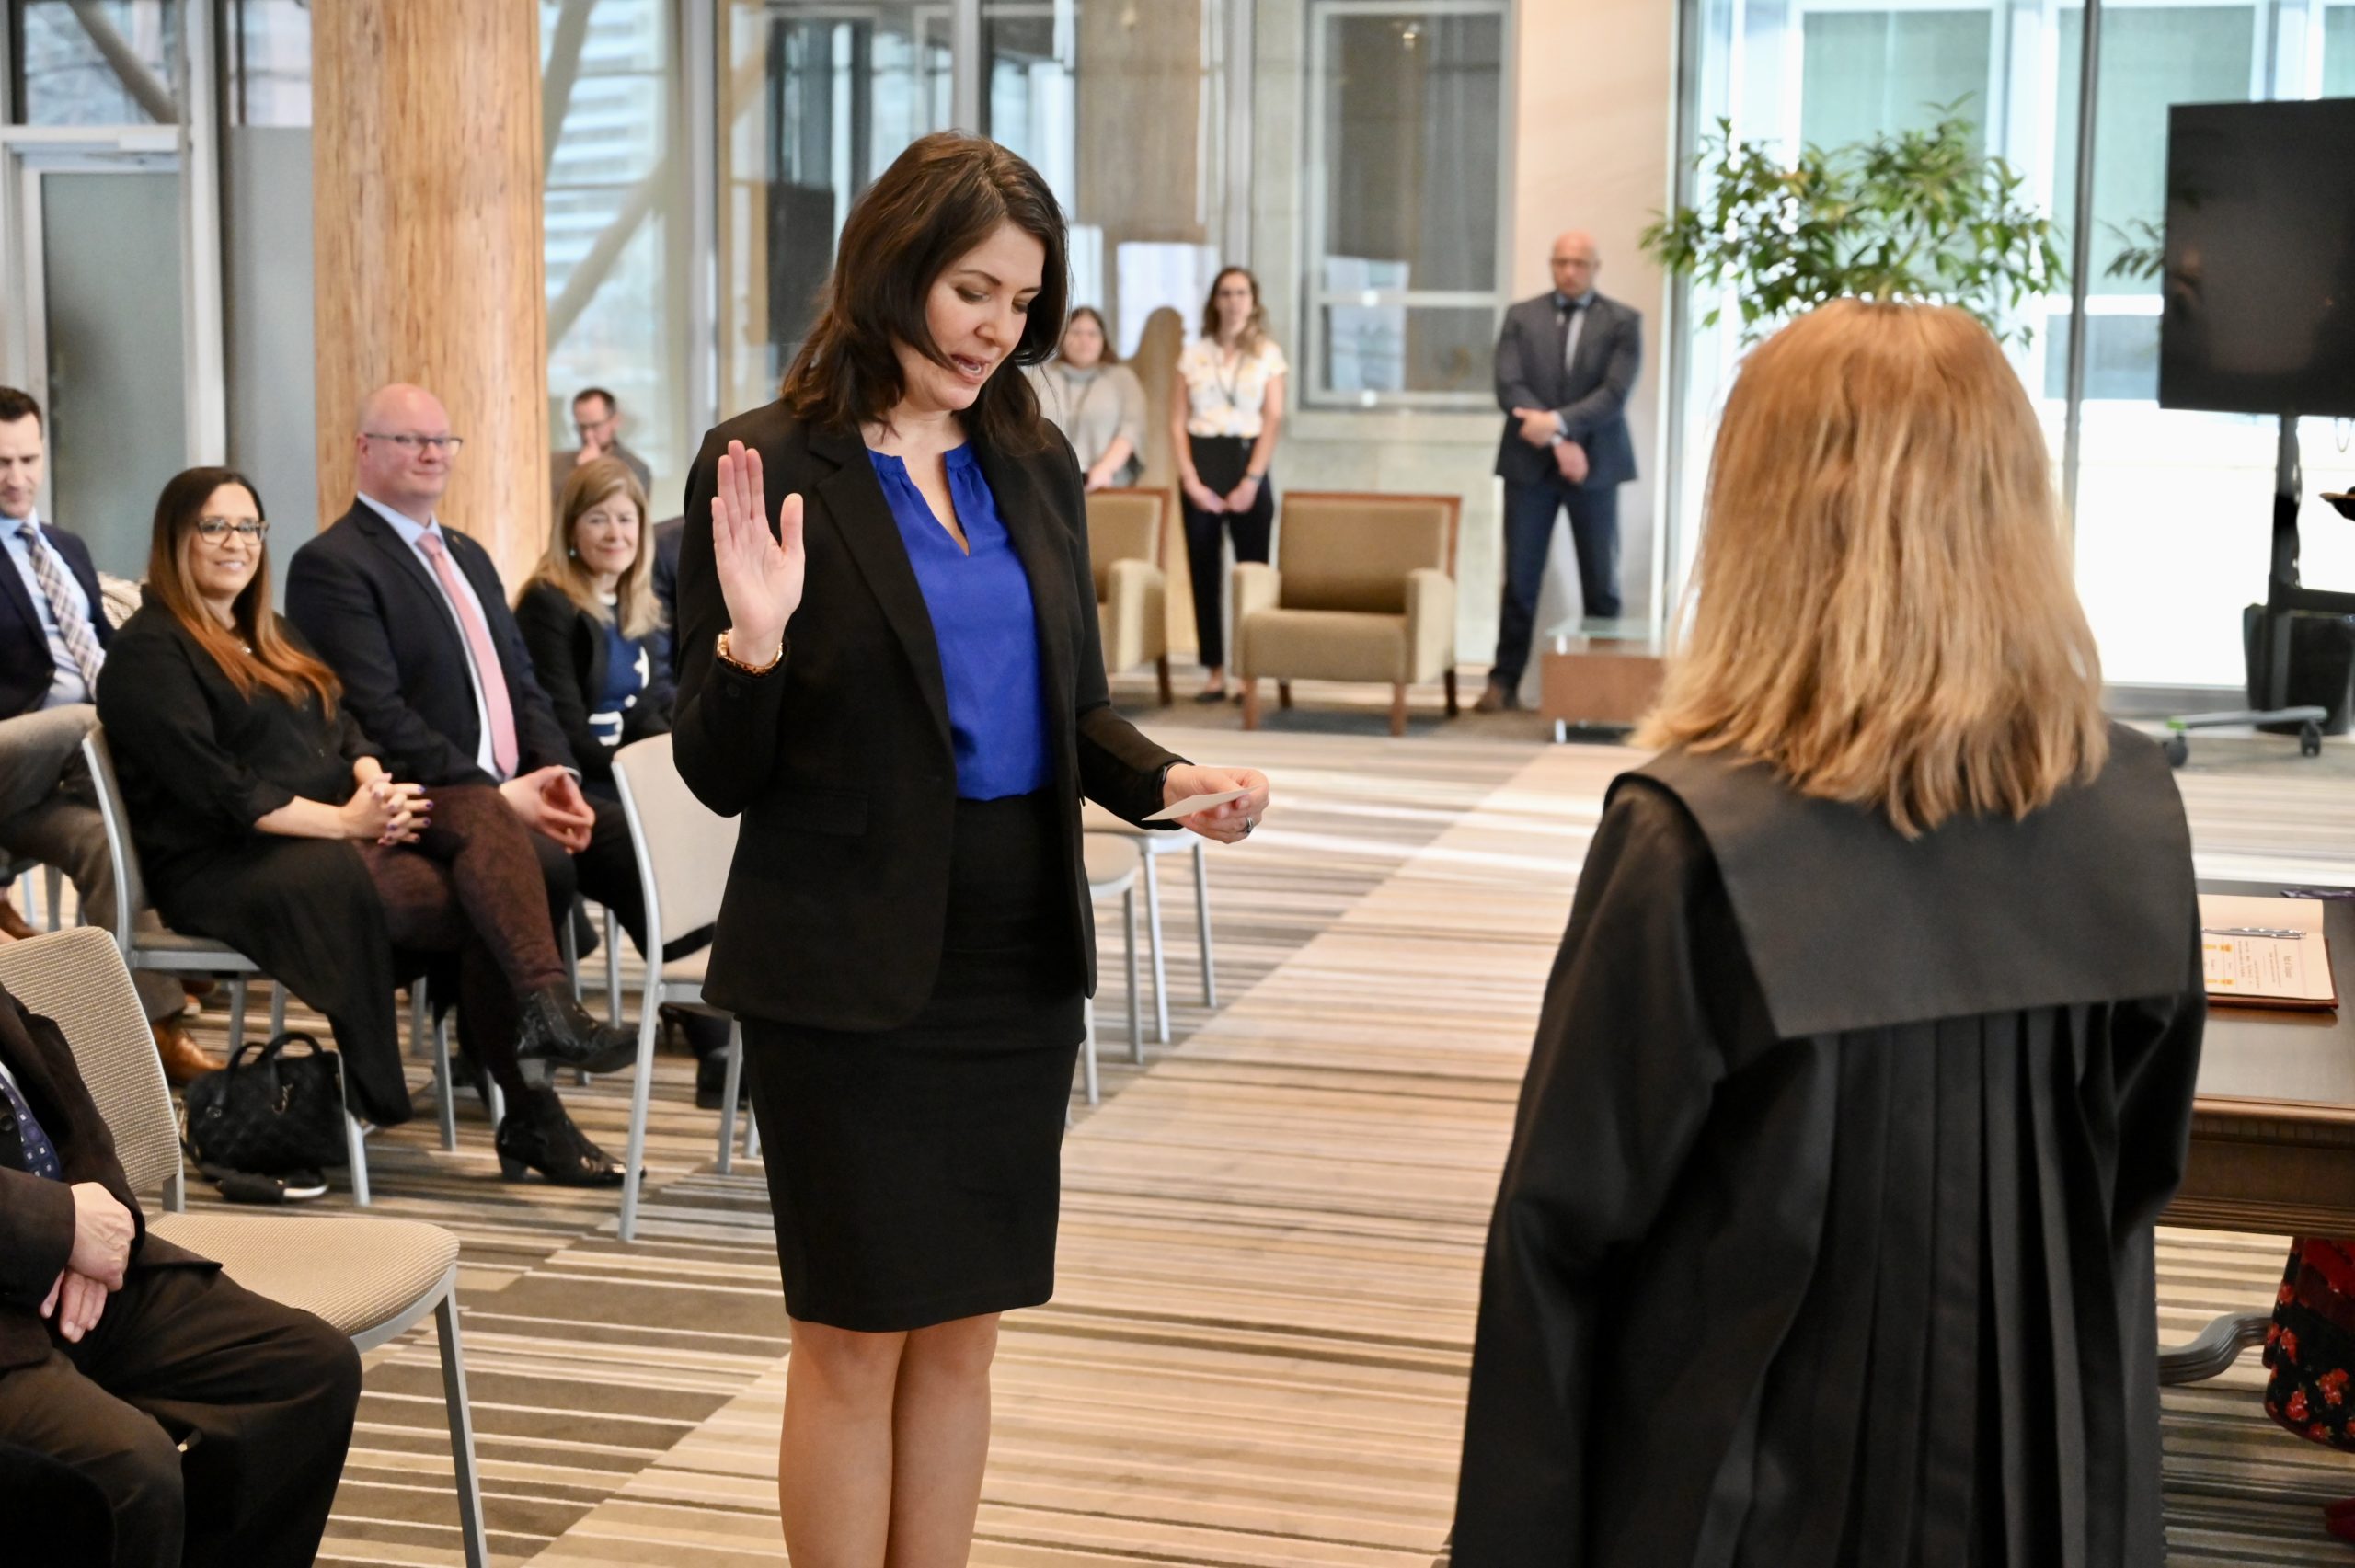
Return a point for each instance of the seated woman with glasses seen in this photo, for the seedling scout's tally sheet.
(265, 820)
(593, 626)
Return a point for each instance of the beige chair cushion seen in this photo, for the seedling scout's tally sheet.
(76, 978)
(1323, 645)
(1112, 863)
(1134, 616)
(356, 1273)
(1354, 552)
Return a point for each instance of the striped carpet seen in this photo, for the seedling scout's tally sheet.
(1270, 1233)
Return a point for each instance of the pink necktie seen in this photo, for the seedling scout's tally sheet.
(486, 656)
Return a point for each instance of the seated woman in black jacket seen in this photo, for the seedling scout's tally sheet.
(593, 626)
(265, 820)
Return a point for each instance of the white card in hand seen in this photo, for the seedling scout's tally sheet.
(1194, 802)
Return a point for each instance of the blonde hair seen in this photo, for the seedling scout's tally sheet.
(1882, 609)
(635, 607)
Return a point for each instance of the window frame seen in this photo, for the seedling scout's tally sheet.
(1310, 373)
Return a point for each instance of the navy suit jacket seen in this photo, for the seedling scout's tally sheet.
(1590, 395)
(26, 669)
(374, 612)
(667, 538)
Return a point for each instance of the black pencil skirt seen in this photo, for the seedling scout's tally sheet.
(916, 1173)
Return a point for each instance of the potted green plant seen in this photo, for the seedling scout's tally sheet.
(1919, 214)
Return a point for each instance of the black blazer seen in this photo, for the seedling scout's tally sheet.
(567, 648)
(26, 669)
(840, 760)
(667, 537)
(1591, 397)
(37, 1214)
(375, 614)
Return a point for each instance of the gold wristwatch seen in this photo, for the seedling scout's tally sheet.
(728, 658)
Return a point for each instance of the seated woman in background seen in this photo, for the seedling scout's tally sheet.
(1095, 400)
(590, 620)
(1868, 1060)
(264, 819)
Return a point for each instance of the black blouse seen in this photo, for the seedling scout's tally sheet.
(200, 762)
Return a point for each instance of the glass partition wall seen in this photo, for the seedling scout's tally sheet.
(2173, 513)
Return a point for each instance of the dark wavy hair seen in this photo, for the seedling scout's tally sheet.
(941, 198)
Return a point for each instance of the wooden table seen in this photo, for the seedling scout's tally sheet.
(2273, 1133)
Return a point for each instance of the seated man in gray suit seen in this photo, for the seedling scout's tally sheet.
(1566, 362)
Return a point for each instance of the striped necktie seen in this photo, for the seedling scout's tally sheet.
(73, 625)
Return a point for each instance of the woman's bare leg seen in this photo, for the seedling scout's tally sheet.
(940, 1424)
(835, 1461)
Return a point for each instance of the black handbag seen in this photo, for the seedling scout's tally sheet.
(279, 1112)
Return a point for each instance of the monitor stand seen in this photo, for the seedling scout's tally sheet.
(2269, 682)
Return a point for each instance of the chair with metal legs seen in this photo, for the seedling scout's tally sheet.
(369, 1279)
(1112, 861)
(1153, 844)
(684, 850)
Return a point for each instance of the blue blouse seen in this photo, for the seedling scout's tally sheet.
(985, 624)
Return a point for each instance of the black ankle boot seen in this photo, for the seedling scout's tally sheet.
(537, 1135)
(556, 1027)
(711, 1082)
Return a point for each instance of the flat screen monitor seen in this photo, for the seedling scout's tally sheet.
(2260, 258)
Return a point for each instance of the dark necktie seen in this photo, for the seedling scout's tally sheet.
(39, 1154)
(1570, 314)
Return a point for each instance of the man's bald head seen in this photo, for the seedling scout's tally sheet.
(1575, 262)
(394, 464)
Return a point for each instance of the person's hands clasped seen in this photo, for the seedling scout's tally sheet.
(550, 801)
(103, 1232)
(1099, 479)
(1239, 500)
(1204, 497)
(1228, 824)
(1538, 426)
(77, 1302)
(762, 571)
(1570, 461)
(385, 811)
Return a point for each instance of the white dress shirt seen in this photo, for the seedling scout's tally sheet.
(66, 684)
(411, 531)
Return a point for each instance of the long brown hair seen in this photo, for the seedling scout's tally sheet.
(1255, 326)
(1882, 609)
(273, 662)
(939, 199)
(635, 609)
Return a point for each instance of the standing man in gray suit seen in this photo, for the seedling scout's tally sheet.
(1566, 362)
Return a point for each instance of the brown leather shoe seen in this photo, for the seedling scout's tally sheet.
(183, 1057)
(1497, 699)
(13, 926)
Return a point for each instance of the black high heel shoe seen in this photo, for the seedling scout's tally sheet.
(555, 1028)
(537, 1135)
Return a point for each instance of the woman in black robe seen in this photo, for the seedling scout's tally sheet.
(1867, 1060)
(265, 820)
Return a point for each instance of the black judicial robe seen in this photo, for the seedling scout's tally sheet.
(1826, 1236)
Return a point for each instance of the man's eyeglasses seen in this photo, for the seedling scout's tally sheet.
(214, 530)
(420, 444)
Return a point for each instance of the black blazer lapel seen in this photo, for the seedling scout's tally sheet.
(12, 591)
(1043, 543)
(379, 533)
(852, 501)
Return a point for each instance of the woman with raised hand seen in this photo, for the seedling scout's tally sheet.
(265, 818)
(1868, 1060)
(892, 671)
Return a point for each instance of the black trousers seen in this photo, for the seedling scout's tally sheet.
(262, 1395)
(1221, 461)
(1530, 511)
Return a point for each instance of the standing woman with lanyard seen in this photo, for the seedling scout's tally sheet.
(1095, 400)
(892, 673)
(1226, 410)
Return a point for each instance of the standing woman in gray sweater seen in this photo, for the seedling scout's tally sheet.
(1095, 400)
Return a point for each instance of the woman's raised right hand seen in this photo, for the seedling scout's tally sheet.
(761, 573)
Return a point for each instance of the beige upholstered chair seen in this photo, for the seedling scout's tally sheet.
(369, 1279)
(1362, 590)
(1124, 530)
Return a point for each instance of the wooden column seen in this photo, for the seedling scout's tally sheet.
(426, 189)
